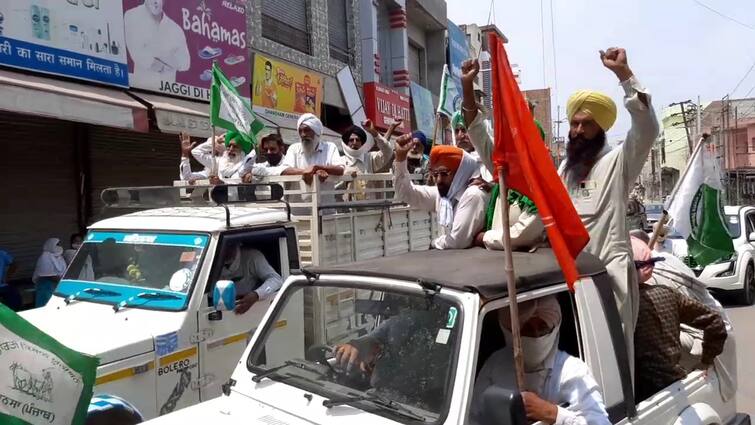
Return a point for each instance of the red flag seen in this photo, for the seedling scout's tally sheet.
(519, 149)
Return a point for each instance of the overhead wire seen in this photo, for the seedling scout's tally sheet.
(748, 26)
(743, 79)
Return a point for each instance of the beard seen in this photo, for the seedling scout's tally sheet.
(581, 155)
(309, 144)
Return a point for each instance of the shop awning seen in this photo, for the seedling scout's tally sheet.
(70, 101)
(290, 132)
(177, 115)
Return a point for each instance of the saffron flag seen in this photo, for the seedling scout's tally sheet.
(528, 167)
(232, 112)
(697, 211)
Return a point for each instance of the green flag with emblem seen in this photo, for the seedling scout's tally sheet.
(232, 112)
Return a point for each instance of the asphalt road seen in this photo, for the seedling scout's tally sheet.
(744, 327)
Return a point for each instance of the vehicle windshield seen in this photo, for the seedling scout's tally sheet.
(149, 270)
(389, 353)
(654, 209)
(732, 224)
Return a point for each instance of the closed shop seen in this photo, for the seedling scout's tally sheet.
(39, 190)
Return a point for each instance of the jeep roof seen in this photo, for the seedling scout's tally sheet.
(196, 219)
(453, 269)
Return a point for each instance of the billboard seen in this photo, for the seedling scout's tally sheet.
(458, 51)
(80, 39)
(424, 113)
(283, 90)
(171, 45)
(382, 104)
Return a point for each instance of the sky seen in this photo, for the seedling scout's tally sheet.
(677, 48)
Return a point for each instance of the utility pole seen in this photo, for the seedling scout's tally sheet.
(685, 122)
(699, 127)
(736, 142)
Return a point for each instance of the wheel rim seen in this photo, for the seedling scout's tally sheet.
(750, 281)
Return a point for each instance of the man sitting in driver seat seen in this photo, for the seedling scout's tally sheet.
(255, 278)
(559, 388)
(402, 358)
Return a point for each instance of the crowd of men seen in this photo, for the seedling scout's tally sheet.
(671, 326)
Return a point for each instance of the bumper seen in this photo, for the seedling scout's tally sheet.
(710, 277)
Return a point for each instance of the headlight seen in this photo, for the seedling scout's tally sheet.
(732, 266)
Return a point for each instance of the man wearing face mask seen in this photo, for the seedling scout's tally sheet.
(253, 275)
(559, 388)
(48, 271)
(76, 241)
(460, 207)
(237, 158)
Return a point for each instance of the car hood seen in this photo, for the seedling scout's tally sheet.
(97, 330)
(234, 410)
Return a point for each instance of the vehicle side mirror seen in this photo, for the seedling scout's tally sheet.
(751, 237)
(502, 407)
(224, 295)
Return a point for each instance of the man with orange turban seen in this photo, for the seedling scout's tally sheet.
(460, 207)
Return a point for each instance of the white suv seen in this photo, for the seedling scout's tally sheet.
(736, 274)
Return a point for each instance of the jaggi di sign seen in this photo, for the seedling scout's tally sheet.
(80, 39)
(172, 45)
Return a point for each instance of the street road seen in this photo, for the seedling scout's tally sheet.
(744, 324)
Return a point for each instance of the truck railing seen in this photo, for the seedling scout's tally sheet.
(370, 223)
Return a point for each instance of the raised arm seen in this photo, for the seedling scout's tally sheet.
(478, 130)
(420, 197)
(644, 130)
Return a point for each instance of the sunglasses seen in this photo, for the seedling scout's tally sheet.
(644, 263)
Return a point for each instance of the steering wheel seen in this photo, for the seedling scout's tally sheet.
(318, 353)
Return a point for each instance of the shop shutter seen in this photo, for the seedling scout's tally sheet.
(338, 30)
(286, 22)
(38, 189)
(126, 158)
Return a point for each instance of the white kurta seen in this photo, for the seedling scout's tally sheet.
(148, 39)
(255, 272)
(601, 202)
(570, 385)
(469, 208)
(526, 229)
(204, 155)
(326, 153)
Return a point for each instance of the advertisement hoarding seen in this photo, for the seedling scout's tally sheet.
(80, 39)
(383, 104)
(424, 113)
(172, 44)
(283, 90)
(458, 51)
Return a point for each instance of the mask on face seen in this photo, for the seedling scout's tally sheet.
(537, 351)
(274, 159)
(75, 246)
(57, 251)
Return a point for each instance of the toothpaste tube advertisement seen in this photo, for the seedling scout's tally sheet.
(172, 44)
(80, 39)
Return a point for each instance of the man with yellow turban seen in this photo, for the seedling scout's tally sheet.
(599, 179)
(460, 207)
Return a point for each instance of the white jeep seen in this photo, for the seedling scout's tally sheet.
(443, 306)
(139, 293)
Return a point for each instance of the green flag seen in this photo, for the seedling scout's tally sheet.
(42, 381)
(450, 95)
(232, 112)
(697, 210)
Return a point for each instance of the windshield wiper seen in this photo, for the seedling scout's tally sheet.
(377, 400)
(295, 363)
(148, 296)
(94, 292)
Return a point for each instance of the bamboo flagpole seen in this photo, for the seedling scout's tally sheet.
(664, 217)
(214, 168)
(508, 266)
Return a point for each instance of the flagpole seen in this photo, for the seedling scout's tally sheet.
(664, 216)
(214, 168)
(508, 266)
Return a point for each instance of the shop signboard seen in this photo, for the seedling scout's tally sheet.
(383, 104)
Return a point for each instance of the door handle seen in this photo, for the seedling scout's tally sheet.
(215, 316)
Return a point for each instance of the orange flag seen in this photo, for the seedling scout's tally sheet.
(519, 149)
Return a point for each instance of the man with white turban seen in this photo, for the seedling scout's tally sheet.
(599, 179)
(460, 207)
(559, 388)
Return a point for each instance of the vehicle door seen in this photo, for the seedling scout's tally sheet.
(223, 335)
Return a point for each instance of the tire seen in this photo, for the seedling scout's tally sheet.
(747, 293)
